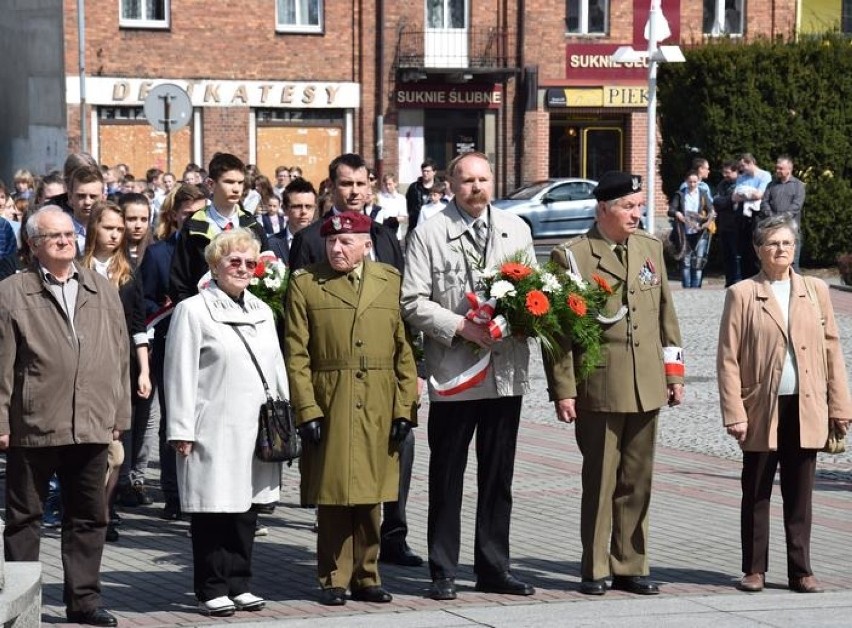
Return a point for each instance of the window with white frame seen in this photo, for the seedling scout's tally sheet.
(144, 13)
(724, 17)
(587, 17)
(300, 16)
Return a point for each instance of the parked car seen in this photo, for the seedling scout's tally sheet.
(554, 208)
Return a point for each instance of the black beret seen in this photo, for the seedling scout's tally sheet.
(613, 185)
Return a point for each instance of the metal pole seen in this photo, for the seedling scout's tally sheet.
(81, 54)
(650, 181)
(167, 109)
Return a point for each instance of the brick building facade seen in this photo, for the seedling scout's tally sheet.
(529, 82)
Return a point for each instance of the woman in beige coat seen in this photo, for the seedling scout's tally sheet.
(781, 380)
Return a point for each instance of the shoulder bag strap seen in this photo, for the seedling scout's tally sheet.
(254, 360)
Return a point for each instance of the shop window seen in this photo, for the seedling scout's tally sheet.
(587, 17)
(121, 114)
(144, 13)
(724, 17)
(298, 16)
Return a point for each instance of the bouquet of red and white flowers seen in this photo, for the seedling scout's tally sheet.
(545, 303)
(270, 282)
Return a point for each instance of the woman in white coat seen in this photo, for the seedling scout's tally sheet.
(212, 401)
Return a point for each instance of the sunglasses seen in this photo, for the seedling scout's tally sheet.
(237, 262)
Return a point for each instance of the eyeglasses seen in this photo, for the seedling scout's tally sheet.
(237, 262)
(779, 244)
(56, 236)
(372, 178)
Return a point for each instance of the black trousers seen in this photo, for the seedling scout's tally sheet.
(451, 427)
(798, 469)
(394, 522)
(731, 255)
(82, 472)
(222, 544)
(168, 456)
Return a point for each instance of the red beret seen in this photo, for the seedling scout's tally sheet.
(346, 222)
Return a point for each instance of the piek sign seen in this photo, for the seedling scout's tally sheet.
(467, 96)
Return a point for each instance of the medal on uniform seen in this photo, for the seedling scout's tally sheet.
(648, 274)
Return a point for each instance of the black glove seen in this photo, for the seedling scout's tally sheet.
(311, 432)
(399, 430)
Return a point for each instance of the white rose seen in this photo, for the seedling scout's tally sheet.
(549, 282)
(577, 279)
(254, 281)
(502, 288)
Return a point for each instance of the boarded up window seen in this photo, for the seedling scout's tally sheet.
(141, 147)
(311, 148)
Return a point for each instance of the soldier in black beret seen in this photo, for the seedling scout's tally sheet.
(615, 408)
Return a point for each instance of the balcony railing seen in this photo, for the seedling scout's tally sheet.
(485, 47)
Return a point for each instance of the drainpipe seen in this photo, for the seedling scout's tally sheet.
(380, 90)
(520, 99)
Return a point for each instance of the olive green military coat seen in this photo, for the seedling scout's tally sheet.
(631, 376)
(349, 361)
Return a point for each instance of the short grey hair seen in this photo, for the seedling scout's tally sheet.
(34, 219)
(772, 224)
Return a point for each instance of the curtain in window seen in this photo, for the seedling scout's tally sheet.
(298, 12)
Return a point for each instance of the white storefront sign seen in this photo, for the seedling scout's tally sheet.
(131, 92)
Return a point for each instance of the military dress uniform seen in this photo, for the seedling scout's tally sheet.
(618, 404)
(350, 365)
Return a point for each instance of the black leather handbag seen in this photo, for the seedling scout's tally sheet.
(277, 438)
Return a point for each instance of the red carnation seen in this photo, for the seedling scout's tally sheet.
(602, 283)
(537, 303)
(577, 304)
(515, 271)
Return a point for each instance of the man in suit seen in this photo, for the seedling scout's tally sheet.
(445, 258)
(64, 352)
(351, 191)
(354, 388)
(300, 208)
(616, 407)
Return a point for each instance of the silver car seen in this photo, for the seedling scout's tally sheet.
(555, 207)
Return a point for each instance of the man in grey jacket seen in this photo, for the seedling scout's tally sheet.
(64, 396)
(446, 258)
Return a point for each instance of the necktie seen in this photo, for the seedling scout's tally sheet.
(621, 254)
(480, 231)
(229, 226)
(354, 281)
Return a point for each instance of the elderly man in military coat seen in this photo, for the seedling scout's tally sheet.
(616, 407)
(354, 387)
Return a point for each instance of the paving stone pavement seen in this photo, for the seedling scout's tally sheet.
(694, 538)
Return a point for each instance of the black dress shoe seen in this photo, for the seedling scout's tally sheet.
(334, 596)
(94, 617)
(399, 555)
(593, 587)
(376, 595)
(443, 589)
(505, 583)
(640, 585)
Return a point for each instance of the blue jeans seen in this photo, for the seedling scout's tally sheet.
(692, 265)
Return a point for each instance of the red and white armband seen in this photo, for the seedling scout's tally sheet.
(673, 361)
